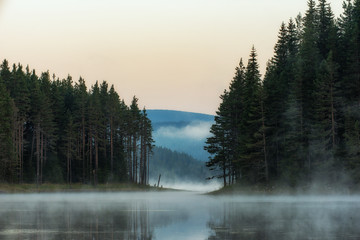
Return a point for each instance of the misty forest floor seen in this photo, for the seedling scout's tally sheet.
(50, 187)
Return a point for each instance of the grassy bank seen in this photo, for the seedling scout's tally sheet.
(49, 187)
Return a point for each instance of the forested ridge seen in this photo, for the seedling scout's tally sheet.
(58, 131)
(300, 124)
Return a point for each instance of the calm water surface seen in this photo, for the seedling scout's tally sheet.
(177, 215)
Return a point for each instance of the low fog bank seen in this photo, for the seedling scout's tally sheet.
(186, 137)
(190, 186)
(177, 215)
(291, 199)
(316, 187)
(196, 130)
(96, 199)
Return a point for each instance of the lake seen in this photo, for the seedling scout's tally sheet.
(177, 215)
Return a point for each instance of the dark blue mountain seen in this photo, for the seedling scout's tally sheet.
(181, 131)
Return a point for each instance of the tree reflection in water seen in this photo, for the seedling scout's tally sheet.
(177, 215)
(131, 220)
(285, 220)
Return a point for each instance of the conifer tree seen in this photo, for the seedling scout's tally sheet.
(254, 160)
(113, 110)
(327, 40)
(134, 117)
(218, 144)
(80, 113)
(95, 131)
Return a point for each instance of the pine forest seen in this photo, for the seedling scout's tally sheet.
(300, 123)
(58, 131)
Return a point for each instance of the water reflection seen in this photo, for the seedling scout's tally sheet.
(177, 215)
(307, 218)
(73, 221)
(44, 217)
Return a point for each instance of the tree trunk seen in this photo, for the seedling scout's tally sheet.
(90, 157)
(148, 166)
(141, 158)
(111, 148)
(145, 165)
(37, 154)
(21, 133)
(134, 160)
(129, 156)
(68, 161)
(96, 160)
(332, 116)
(83, 146)
(41, 157)
(224, 174)
(264, 143)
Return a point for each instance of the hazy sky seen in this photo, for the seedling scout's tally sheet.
(171, 54)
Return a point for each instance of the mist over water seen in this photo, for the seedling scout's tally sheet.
(177, 215)
(201, 187)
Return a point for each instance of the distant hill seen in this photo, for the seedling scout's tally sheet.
(181, 131)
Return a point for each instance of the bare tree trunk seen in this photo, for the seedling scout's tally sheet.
(264, 143)
(68, 161)
(41, 157)
(16, 137)
(332, 116)
(83, 146)
(224, 174)
(134, 160)
(141, 158)
(229, 175)
(70, 158)
(129, 153)
(38, 154)
(145, 165)
(17, 142)
(90, 157)
(111, 148)
(96, 160)
(148, 166)
(32, 147)
(21, 138)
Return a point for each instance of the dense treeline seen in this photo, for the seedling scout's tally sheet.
(301, 123)
(54, 130)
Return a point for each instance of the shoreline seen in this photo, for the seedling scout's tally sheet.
(6, 188)
(265, 190)
(232, 190)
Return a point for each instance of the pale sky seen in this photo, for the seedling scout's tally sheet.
(171, 54)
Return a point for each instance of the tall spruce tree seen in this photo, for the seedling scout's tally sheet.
(95, 116)
(253, 157)
(218, 144)
(134, 118)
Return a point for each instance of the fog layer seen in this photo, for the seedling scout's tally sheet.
(177, 215)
